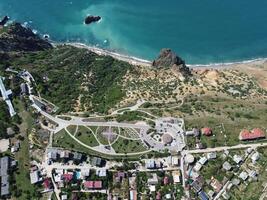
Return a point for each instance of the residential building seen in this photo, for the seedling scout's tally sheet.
(211, 155)
(227, 166)
(243, 175)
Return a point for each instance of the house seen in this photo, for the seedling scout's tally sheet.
(47, 184)
(195, 185)
(194, 132)
(153, 180)
(215, 184)
(197, 167)
(119, 176)
(203, 160)
(243, 175)
(238, 159)
(253, 174)
(211, 193)
(24, 89)
(150, 164)
(225, 195)
(176, 176)
(68, 177)
(206, 131)
(4, 165)
(35, 177)
(168, 196)
(15, 147)
(255, 157)
(85, 172)
(166, 180)
(227, 166)
(64, 197)
(5, 185)
(52, 154)
(211, 155)
(175, 161)
(92, 184)
(158, 196)
(256, 133)
(133, 195)
(96, 161)
(236, 181)
(64, 154)
(152, 188)
(77, 156)
(202, 195)
(101, 172)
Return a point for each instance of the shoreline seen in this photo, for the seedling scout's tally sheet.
(146, 63)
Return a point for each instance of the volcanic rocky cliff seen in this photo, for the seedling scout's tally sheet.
(15, 37)
(168, 59)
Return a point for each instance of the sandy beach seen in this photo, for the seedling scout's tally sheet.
(146, 63)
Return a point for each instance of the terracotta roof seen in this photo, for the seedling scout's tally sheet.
(67, 177)
(250, 135)
(93, 184)
(89, 184)
(206, 131)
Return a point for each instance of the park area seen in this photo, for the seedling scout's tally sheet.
(101, 140)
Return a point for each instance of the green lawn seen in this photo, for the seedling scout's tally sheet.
(86, 136)
(63, 140)
(128, 146)
(72, 129)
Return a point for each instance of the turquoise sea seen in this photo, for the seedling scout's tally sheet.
(200, 31)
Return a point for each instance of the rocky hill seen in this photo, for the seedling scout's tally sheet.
(15, 37)
(168, 59)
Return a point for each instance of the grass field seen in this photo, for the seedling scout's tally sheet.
(226, 117)
(86, 136)
(127, 146)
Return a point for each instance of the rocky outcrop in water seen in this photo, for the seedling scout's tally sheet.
(90, 19)
(15, 37)
(168, 59)
(4, 20)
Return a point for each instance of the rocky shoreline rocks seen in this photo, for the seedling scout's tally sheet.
(91, 19)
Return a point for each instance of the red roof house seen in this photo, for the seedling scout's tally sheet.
(166, 180)
(47, 183)
(158, 197)
(98, 184)
(206, 131)
(256, 133)
(93, 184)
(67, 177)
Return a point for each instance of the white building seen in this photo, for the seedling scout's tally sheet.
(211, 155)
(203, 160)
(255, 157)
(197, 167)
(243, 175)
(238, 159)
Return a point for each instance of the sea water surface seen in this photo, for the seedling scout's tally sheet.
(200, 31)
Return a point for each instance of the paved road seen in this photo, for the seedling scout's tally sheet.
(239, 146)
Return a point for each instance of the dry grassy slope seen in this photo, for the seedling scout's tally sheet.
(245, 81)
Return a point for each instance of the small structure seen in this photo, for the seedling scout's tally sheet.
(211, 155)
(175, 161)
(227, 166)
(194, 132)
(203, 160)
(96, 161)
(255, 157)
(153, 180)
(92, 184)
(243, 175)
(206, 131)
(167, 139)
(202, 195)
(4, 145)
(236, 181)
(189, 158)
(35, 177)
(133, 195)
(197, 167)
(176, 176)
(24, 89)
(225, 195)
(196, 187)
(215, 184)
(151, 164)
(238, 159)
(119, 176)
(211, 193)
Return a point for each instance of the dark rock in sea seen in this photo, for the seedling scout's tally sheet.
(168, 59)
(4, 20)
(90, 19)
(19, 38)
